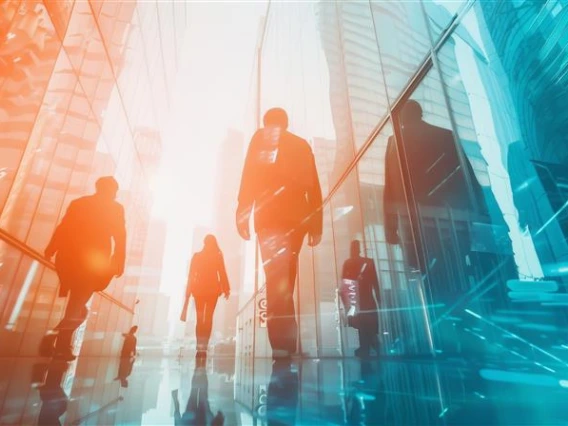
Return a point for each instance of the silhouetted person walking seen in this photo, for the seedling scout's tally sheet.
(197, 411)
(206, 282)
(280, 182)
(362, 271)
(85, 260)
(129, 344)
(124, 370)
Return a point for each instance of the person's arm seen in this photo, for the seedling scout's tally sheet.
(61, 231)
(247, 191)
(191, 278)
(315, 202)
(390, 197)
(223, 279)
(119, 256)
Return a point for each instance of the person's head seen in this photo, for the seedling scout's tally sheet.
(411, 112)
(276, 117)
(107, 187)
(133, 330)
(210, 244)
(355, 249)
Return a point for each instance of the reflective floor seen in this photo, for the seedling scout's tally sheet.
(151, 391)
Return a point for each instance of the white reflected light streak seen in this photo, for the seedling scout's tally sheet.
(22, 296)
(552, 218)
(519, 338)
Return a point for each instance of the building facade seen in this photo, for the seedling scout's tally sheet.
(475, 272)
(231, 157)
(84, 92)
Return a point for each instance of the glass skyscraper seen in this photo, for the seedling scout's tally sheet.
(85, 89)
(480, 268)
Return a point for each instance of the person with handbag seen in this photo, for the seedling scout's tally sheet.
(207, 281)
(360, 295)
(85, 259)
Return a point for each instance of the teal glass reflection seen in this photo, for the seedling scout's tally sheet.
(403, 41)
(503, 85)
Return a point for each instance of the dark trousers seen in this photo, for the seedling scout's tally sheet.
(204, 309)
(280, 251)
(367, 328)
(75, 313)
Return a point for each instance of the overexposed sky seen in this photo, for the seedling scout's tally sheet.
(213, 90)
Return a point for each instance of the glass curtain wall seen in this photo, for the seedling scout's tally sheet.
(84, 92)
(439, 135)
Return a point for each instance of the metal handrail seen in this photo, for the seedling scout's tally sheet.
(38, 257)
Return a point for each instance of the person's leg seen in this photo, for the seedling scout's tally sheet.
(75, 314)
(279, 254)
(199, 322)
(367, 331)
(276, 276)
(295, 244)
(209, 310)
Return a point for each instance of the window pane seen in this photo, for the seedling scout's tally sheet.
(361, 71)
(28, 302)
(20, 101)
(306, 303)
(326, 291)
(403, 39)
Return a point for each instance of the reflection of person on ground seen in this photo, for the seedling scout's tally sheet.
(282, 395)
(363, 399)
(206, 282)
(85, 260)
(362, 270)
(197, 411)
(54, 399)
(280, 181)
(129, 345)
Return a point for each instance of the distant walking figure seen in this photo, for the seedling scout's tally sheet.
(85, 259)
(281, 183)
(362, 271)
(206, 282)
(129, 345)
